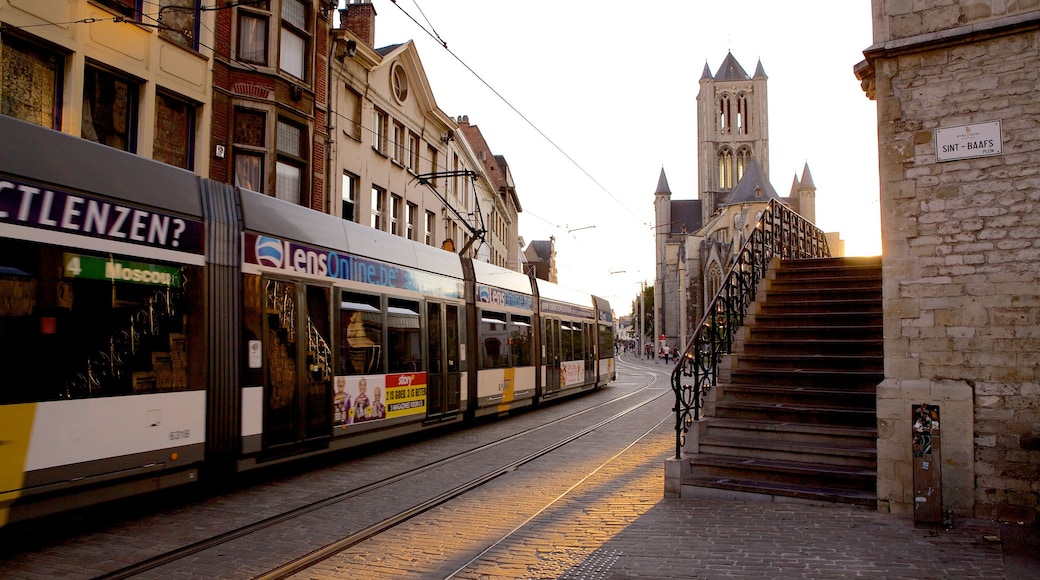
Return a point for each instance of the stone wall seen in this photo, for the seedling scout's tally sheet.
(961, 250)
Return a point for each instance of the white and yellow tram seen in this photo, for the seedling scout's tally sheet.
(158, 328)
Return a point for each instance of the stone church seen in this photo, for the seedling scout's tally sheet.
(697, 239)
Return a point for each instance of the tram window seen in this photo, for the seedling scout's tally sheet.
(570, 341)
(521, 341)
(404, 341)
(606, 341)
(494, 340)
(77, 326)
(360, 335)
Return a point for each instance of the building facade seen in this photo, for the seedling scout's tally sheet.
(133, 76)
(399, 163)
(958, 99)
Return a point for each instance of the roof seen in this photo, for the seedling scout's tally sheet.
(662, 184)
(731, 70)
(753, 187)
(539, 250)
(807, 182)
(685, 212)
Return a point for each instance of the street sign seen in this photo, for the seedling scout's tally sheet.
(967, 141)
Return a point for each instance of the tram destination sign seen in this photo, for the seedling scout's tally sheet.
(968, 141)
(95, 268)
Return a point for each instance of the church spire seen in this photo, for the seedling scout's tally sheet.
(760, 73)
(662, 185)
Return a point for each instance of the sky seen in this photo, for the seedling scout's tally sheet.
(588, 100)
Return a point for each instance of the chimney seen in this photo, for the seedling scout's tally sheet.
(359, 17)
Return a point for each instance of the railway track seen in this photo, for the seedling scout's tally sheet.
(195, 554)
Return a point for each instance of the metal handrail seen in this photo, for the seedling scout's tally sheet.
(780, 232)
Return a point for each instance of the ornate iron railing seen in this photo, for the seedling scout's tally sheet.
(780, 232)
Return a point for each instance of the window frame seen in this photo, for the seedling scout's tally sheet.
(40, 52)
(191, 108)
(299, 30)
(291, 159)
(132, 106)
(265, 20)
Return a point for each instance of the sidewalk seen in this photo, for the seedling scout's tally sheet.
(698, 538)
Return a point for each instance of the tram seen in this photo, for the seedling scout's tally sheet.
(159, 329)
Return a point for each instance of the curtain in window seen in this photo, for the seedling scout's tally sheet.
(252, 39)
(292, 53)
(288, 182)
(248, 172)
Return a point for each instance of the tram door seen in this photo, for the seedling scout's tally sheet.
(298, 399)
(552, 355)
(444, 378)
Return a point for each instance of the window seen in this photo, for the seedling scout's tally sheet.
(404, 347)
(395, 213)
(115, 336)
(379, 128)
(743, 115)
(350, 113)
(521, 341)
(399, 143)
(292, 55)
(174, 131)
(493, 337)
(411, 216)
(413, 152)
(109, 109)
(249, 171)
(725, 112)
(349, 195)
(250, 135)
(32, 82)
(291, 162)
(378, 201)
(725, 168)
(252, 37)
(130, 8)
(179, 24)
(428, 228)
(431, 153)
(743, 160)
(361, 335)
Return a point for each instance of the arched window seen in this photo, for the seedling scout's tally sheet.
(713, 281)
(743, 160)
(725, 168)
(725, 112)
(743, 114)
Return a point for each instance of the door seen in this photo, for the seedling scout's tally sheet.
(551, 360)
(444, 378)
(298, 386)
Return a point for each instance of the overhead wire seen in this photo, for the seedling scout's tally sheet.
(444, 44)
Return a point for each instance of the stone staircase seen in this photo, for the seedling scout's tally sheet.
(793, 417)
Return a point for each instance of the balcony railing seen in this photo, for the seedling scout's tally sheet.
(780, 232)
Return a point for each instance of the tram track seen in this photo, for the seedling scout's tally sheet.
(178, 554)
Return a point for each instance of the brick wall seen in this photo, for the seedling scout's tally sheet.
(961, 256)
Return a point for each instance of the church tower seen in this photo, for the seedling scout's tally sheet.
(732, 127)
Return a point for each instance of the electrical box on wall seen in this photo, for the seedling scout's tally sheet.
(927, 461)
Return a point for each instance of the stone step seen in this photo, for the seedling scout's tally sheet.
(767, 362)
(842, 435)
(863, 398)
(799, 473)
(861, 455)
(811, 414)
(743, 490)
(814, 346)
(852, 379)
